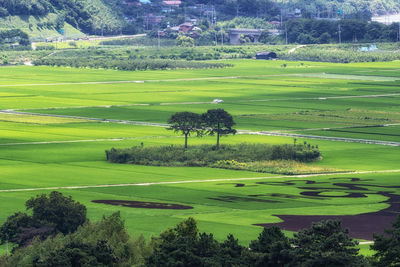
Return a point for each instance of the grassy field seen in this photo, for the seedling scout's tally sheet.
(43, 153)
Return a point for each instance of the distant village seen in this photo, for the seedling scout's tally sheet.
(195, 14)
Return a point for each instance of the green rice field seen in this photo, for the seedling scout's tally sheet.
(56, 123)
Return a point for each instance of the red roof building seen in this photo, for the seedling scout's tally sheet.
(172, 3)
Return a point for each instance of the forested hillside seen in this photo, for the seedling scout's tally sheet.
(314, 8)
(89, 16)
(331, 8)
(47, 19)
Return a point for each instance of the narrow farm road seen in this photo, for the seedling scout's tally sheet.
(341, 139)
(291, 51)
(309, 75)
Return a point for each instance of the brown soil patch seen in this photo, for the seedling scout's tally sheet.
(143, 205)
(361, 226)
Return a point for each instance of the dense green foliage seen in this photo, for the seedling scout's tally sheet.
(311, 31)
(214, 122)
(345, 53)
(345, 8)
(128, 65)
(102, 243)
(50, 215)
(107, 243)
(185, 123)
(11, 37)
(121, 56)
(175, 53)
(140, 41)
(324, 244)
(218, 122)
(387, 246)
(206, 155)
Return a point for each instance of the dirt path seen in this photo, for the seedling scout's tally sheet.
(294, 49)
(337, 128)
(192, 181)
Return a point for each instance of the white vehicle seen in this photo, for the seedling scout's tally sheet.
(216, 101)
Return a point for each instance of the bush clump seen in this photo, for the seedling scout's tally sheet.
(208, 155)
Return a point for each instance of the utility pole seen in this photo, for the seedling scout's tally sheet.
(158, 38)
(222, 38)
(398, 34)
(340, 34)
(286, 34)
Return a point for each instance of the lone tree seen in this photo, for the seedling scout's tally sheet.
(186, 123)
(218, 121)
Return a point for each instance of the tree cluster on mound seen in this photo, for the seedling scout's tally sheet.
(107, 243)
(127, 64)
(214, 122)
(208, 155)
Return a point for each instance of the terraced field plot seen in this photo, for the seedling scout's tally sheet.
(103, 108)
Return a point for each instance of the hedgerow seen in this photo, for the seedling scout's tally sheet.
(208, 155)
(128, 64)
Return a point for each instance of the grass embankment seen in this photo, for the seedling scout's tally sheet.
(282, 159)
(39, 27)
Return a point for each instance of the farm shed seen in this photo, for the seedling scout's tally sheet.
(266, 55)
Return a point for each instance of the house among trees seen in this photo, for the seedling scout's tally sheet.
(151, 20)
(169, 6)
(266, 55)
(186, 27)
